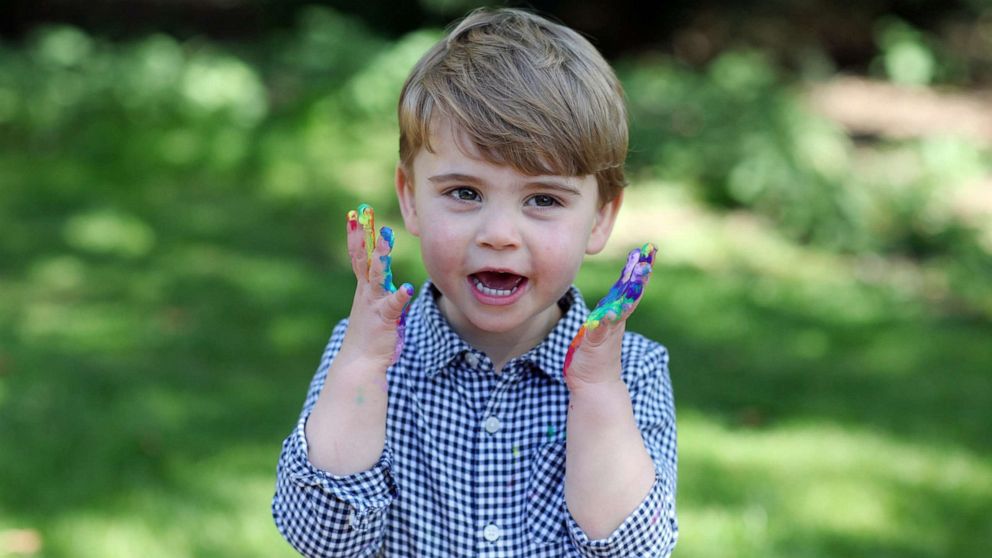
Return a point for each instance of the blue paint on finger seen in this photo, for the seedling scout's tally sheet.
(365, 216)
(622, 296)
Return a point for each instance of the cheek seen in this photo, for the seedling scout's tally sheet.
(561, 253)
(440, 245)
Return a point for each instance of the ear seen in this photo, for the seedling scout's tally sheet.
(404, 193)
(602, 226)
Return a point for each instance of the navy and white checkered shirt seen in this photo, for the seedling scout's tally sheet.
(474, 460)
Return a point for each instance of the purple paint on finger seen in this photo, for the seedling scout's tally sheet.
(628, 288)
(622, 296)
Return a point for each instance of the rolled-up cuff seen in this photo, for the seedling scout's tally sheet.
(368, 492)
(650, 530)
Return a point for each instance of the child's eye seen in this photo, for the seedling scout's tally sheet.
(464, 194)
(543, 200)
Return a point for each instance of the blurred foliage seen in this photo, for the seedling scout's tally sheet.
(172, 261)
(905, 54)
(739, 136)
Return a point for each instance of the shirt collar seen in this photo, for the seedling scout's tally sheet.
(428, 325)
(441, 343)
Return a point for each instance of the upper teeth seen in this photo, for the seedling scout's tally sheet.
(493, 292)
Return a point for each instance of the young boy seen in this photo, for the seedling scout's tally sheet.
(471, 438)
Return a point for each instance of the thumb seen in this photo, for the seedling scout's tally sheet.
(396, 302)
(598, 335)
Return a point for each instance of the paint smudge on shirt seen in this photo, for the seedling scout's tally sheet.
(622, 296)
(365, 216)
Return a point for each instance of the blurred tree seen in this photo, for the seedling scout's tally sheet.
(697, 31)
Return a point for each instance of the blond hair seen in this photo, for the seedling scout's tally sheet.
(528, 93)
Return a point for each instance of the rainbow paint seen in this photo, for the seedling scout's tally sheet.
(365, 216)
(622, 296)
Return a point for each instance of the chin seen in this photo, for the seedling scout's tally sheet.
(495, 323)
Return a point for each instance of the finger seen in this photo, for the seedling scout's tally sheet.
(381, 268)
(616, 291)
(366, 217)
(608, 326)
(617, 288)
(396, 303)
(386, 234)
(625, 293)
(632, 258)
(356, 248)
(634, 290)
(590, 340)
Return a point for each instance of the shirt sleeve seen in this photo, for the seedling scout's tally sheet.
(324, 515)
(651, 530)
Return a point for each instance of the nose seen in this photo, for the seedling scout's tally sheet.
(498, 230)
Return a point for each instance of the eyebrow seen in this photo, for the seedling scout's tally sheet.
(454, 177)
(542, 183)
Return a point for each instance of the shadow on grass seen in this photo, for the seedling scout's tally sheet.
(114, 370)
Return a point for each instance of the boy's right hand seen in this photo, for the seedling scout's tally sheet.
(378, 311)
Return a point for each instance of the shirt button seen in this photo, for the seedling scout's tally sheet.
(491, 425)
(492, 533)
(471, 360)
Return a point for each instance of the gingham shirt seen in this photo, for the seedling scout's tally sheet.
(474, 460)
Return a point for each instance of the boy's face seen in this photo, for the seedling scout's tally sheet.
(502, 247)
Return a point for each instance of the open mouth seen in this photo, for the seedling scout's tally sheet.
(497, 283)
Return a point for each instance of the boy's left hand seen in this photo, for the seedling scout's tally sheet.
(594, 355)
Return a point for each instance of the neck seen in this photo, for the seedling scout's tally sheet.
(503, 346)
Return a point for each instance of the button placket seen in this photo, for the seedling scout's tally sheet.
(498, 474)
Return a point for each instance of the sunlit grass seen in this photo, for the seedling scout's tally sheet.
(764, 490)
(213, 507)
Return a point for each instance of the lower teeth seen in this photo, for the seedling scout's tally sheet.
(494, 292)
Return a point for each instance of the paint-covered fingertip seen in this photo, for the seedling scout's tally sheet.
(366, 216)
(387, 234)
(648, 251)
(408, 288)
